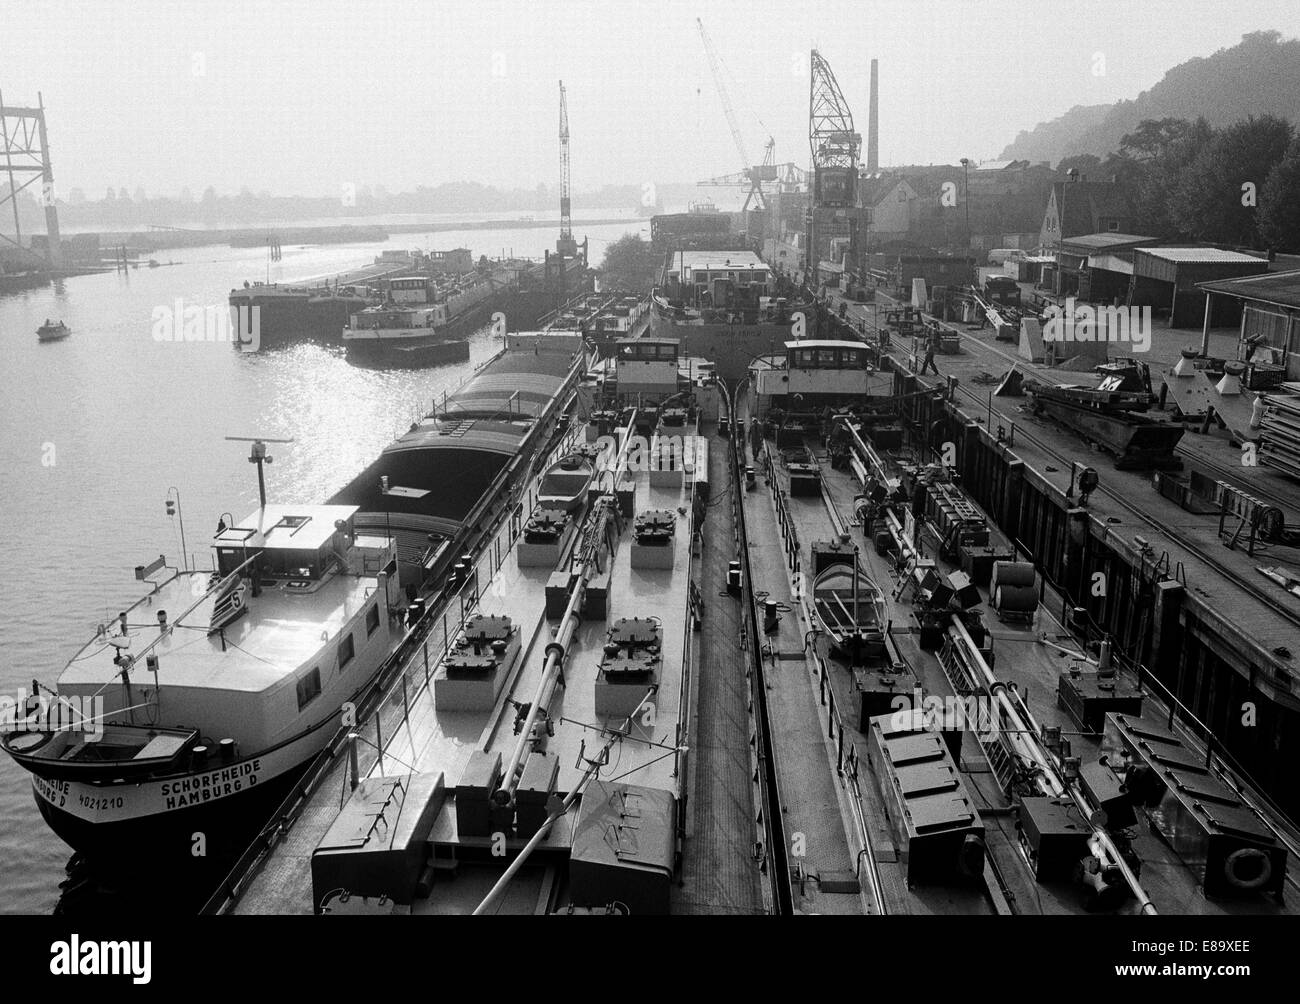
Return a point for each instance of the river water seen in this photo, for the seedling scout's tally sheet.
(95, 429)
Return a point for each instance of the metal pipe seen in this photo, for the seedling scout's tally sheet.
(593, 766)
(1072, 653)
(1050, 782)
(555, 653)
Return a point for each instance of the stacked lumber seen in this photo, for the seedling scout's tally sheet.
(1279, 439)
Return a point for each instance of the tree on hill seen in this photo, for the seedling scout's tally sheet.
(1260, 75)
(630, 265)
(1279, 203)
(1159, 152)
(1216, 196)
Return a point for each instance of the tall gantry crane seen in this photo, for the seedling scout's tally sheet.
(566, 246)
(752, 174)
(835, 147)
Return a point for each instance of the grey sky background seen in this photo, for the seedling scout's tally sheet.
(296, 97)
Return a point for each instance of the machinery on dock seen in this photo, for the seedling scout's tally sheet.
(1112, 419)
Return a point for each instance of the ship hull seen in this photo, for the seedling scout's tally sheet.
(414, 348)
(161, 817)
(731, 347)
(416, 355)
(286, 320)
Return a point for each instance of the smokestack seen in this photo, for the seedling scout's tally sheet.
(873, 124)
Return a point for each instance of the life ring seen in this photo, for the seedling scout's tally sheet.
(27, 742)
(1258, 866)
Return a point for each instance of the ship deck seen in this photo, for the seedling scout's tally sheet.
(280, 632)
(1188, 542)
(1021, 659)
(426, 739)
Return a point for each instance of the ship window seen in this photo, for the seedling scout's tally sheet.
(308, 688)
(826, 357)
(346, 651)
(372, 620)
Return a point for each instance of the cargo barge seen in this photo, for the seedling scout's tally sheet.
(196, 708)
(726, 305)
(459, 293)
(850, 577)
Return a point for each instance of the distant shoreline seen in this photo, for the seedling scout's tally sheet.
(256, 236)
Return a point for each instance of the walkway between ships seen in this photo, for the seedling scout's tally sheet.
(815, 806)
(719, 874)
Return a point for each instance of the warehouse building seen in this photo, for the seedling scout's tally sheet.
(1269, 305)
(1166, 279)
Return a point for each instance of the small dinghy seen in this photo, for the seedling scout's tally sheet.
(565, 484)
(53, 331)
(851, 610)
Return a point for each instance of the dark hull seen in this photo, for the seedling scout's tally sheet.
(407, 357)
(443, 345)
(731, 347)
(227, 826)
(285, 320)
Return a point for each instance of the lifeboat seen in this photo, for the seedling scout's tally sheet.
(850, 609)
(565, 484)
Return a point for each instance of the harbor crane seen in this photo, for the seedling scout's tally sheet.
(559, 261)
(788, 177)
(566, 246)
(751, 174)
(835, 147)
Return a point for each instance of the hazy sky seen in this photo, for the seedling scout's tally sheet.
(300, 97)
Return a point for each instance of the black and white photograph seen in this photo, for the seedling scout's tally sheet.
(649, 458)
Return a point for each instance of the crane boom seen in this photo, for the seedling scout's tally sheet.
(566, 222)
(722, 93)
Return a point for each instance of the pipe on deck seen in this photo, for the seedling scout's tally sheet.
(1027, 742)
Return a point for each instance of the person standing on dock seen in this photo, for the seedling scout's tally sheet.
(931, 347)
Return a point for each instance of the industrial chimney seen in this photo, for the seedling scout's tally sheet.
(873, 132)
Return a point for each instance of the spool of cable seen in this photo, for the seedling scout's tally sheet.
(1016, 599)
(1012, 573)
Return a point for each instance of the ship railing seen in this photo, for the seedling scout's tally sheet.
(846, 760)
(429, 643)
(385, 704)
(694, 610)
(774, 858)
(1197, 732)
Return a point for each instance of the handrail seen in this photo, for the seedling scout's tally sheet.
(846, 765)
(1178, 711)
(779, 871)
(373, 697)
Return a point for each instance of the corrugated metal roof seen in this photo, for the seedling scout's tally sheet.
(1201, 255)
(1272, 287)
(1106, 240)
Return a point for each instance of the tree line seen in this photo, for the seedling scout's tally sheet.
(1238, 184)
